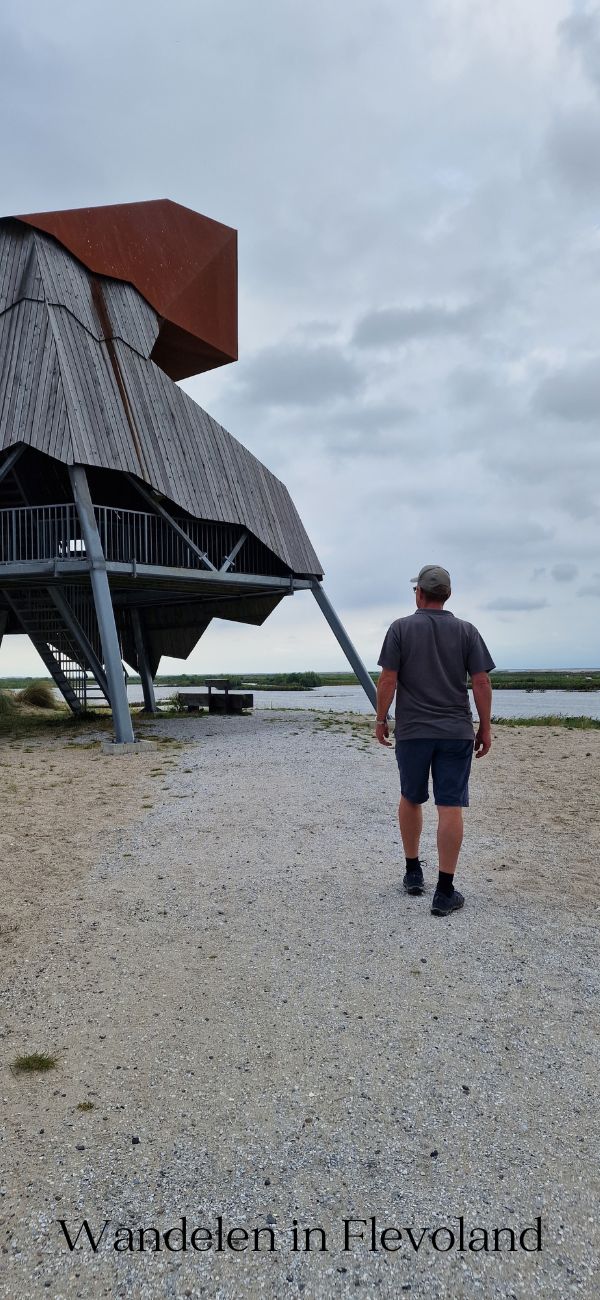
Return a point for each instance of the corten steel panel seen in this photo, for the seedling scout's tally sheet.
(76, 383)
(183, 263)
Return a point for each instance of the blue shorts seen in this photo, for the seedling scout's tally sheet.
(449, 762)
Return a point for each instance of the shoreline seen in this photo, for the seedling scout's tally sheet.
(59, 724)
(569, 680)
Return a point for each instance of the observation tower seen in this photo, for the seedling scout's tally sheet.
(129, 518)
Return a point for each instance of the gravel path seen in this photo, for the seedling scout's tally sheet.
(268, 1030)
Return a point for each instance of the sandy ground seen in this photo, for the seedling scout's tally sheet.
(212, 941)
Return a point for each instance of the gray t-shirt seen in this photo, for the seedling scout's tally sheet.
(432, 652)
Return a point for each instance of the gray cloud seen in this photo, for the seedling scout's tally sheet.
(591, 588)
(574, 150)
(317, 329)
(349, 429)
(564, 572)
(295, 375)
(369, 420)
(577, 500)
(370, 431)
(493, 536)
(472, 387)
(517, 603)
(580, 33)
(572, 393)
(388, 325)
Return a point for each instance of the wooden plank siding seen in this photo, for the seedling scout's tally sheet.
(70, 393)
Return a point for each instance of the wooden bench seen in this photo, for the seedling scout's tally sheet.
(220, 698)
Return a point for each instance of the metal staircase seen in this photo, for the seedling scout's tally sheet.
(61, 648)
(70, 656)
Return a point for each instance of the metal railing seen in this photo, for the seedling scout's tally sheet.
(40, 533)
(30, 533)
(128, 535)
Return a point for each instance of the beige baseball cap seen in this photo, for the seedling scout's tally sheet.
(433, 578)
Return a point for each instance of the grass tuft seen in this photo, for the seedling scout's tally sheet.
(35, 1062)
(38, 695)
(85, 1105)
(8, 705)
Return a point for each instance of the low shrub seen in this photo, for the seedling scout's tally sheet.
(174, 703)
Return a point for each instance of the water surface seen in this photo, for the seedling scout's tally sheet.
(352, 699)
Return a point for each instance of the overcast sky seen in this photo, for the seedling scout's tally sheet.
(417, 194)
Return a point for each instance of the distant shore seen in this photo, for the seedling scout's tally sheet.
(502, 680)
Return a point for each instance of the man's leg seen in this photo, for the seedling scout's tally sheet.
(410, 817)
(449, 838)
(450, 767)
(414, 757)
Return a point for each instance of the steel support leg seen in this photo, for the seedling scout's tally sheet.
(341, 635)
(143, 665)
(3, 623)
(104, 609)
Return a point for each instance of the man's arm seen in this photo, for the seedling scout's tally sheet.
(386, 690)
(482, 694)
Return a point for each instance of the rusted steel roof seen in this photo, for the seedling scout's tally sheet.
(183, 264)
(78, 381)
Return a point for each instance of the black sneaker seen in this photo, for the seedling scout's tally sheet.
(444, 904)
(414, 882)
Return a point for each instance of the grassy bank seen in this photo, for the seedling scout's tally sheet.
(570, 723)
(502, 680)
(579, 723)
(526, 680)
(545, 681)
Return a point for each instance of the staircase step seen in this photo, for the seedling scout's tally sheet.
(61, 680)
(42, 621)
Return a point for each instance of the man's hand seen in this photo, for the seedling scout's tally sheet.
(482, 694)
(382, 732)
(483, 741)
(386, 690)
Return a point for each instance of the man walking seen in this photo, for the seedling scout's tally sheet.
(424, 661)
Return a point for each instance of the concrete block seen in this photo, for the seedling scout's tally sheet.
(138, 747)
